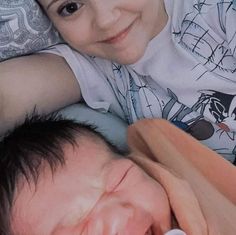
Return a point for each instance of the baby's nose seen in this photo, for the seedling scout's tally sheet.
(112, 220)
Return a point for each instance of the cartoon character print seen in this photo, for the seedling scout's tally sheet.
(189, 119)
(139, 96)
(219, 108)
(216, 54)
(222, 108)
(209, 118)
(146, 100)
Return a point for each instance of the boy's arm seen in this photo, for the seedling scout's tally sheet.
(41, 81)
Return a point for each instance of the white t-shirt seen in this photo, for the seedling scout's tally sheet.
(187, 75)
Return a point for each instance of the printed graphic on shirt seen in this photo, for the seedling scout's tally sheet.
(127, 93)
(209, 119)
(209, 115)
(221, 106)
(213, 52)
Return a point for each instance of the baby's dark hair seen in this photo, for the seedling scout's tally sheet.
(22, 151)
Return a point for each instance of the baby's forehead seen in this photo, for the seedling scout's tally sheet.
(88, 155)
(81, 173)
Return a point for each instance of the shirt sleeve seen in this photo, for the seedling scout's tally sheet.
(93, 75)
(89, 79)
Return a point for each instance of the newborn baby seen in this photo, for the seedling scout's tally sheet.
(59, 177)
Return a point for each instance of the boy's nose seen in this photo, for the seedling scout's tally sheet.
(105, 13)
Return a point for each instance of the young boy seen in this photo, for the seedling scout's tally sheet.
(60, 177)
(142, 59)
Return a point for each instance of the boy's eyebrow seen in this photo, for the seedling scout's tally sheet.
(50, 4)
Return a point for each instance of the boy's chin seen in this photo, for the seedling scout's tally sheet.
(130, 57)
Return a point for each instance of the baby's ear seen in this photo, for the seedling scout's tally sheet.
(182, 198)
(169, 145)
(24, 29)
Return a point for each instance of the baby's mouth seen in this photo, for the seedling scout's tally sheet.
(149, 231)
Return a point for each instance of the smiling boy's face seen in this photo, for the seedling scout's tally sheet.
(118, 30)
(94, 193)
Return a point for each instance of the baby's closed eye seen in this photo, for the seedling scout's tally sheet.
(117, 176)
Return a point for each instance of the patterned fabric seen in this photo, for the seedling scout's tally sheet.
(24, 29)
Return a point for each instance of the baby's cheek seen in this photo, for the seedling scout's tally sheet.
(152, 197)
(62, 230)
(159, 207)
(111, 215)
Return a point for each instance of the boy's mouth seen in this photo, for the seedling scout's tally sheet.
(119, 36)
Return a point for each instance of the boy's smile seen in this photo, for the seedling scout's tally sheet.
(115, 30)
(94, 193)
(119, 36)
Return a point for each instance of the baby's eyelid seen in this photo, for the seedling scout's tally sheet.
(121, 180)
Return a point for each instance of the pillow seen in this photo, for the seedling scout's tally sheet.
(24, 29)
(109, 125)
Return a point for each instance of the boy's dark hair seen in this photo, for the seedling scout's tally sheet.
(22, 151)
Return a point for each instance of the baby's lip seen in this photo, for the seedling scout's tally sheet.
(149, 231)
(154, 229)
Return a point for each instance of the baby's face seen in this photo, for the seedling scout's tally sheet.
(93, 194)
(118, 30)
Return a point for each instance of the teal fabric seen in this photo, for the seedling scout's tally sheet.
(112, 127)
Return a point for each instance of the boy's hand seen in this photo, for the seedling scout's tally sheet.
(41, 81)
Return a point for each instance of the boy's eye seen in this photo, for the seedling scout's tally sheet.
(69, 8)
